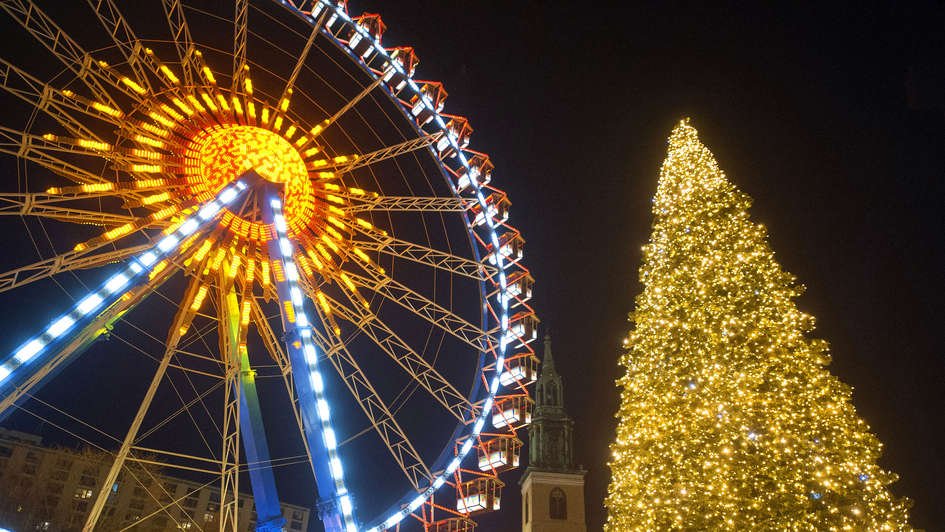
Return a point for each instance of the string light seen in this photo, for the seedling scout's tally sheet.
(728, 419)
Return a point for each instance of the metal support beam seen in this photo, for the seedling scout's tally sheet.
(268, 510)
(389, 152)
(335, 505)
(240, 23)
(181, 320)
(66, 262)
(316, 28)
(229, 472)
(180, 32)
(78, 342)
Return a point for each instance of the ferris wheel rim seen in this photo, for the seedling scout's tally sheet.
(483, 389)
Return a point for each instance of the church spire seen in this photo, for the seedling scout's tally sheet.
(548, 362)
(552, 485)
(551, 445)
(550, 388)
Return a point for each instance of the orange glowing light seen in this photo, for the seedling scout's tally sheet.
(244, 315)
(134, 86)
(204, 249)
(320, 127)
(149, 141)
(161, 119)
(362, 255)
(119, 231)
(323, 302)
(156, 198)
(209, 75)
(164, 213)
(97, 187)
(170, 111)
(102, 108)
(218, 155)
(94, 144)
(264, 272)
(158, 268)
(198, 299)
(170, 75)
(183, 106)
(209, 101)
(218, 259)
(150, 183)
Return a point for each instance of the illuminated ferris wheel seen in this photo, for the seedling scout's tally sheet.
(293, 204)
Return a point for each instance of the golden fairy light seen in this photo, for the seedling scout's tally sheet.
(728, 419)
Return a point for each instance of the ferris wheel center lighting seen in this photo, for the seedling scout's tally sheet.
(216, 155)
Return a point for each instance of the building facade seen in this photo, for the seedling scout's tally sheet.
(44, 488)
(552, 486)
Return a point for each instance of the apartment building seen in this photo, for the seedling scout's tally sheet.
(53, 488)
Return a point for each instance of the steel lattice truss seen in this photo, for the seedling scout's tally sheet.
(189, 161)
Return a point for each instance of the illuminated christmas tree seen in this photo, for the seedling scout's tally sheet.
(728, 418)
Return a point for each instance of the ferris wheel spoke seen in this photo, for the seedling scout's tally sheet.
(180, 32)
(43, 96)
(407, 358)
(425, 308)
(57, 103)
(40, 149)
(376, 410)
(29, 143)
(240, 26)
(125, 40)
(21, 147)
(80, 340)
(363, 203)
(181, 322)
(273, 345)
(388, 153)
(420, 254)
(60, 44)
(43, 206)
(65, 262)
(353, 101)
(290, 84)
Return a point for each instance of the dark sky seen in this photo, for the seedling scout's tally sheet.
(830, 117)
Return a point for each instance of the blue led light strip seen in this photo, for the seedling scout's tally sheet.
(136, 269)
(290, 296)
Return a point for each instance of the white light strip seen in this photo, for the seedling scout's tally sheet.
(110, 291)
(311, 357)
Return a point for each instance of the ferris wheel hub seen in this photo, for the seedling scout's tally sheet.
(219, 154)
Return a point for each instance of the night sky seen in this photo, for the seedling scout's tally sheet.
(830, 117)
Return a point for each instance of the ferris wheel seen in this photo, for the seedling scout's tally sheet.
(272, 200)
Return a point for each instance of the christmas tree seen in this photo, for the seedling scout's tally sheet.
(728, 418)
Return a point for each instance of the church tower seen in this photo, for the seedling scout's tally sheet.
(552, 486)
